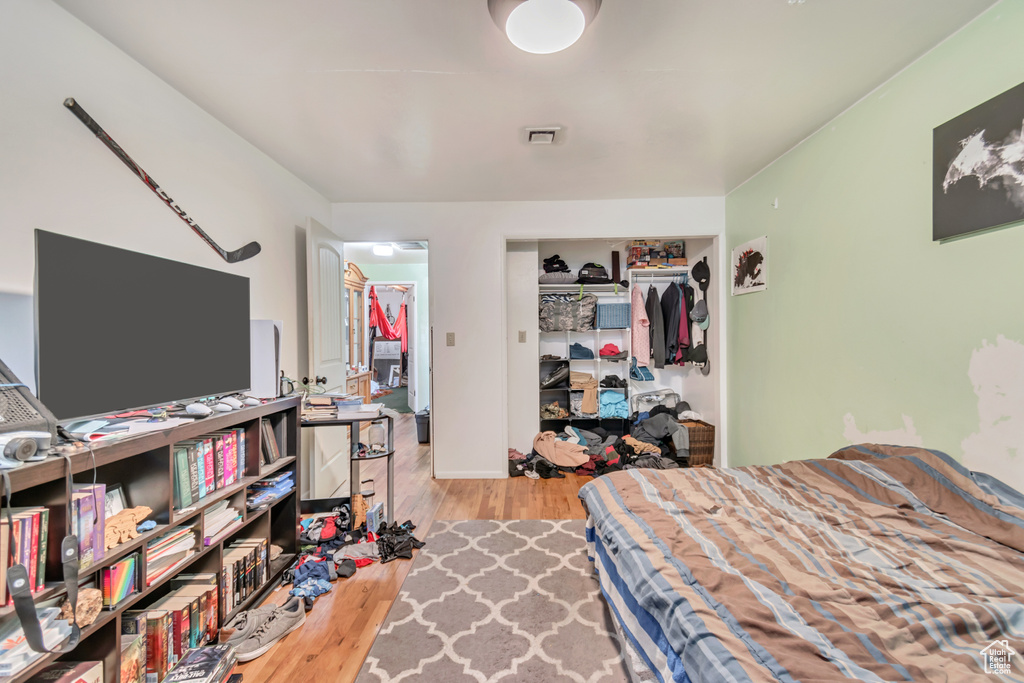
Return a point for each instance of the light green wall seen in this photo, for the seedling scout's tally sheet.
(417, 273)
(864, 314)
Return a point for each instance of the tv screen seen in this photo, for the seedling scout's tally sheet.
(117, 330)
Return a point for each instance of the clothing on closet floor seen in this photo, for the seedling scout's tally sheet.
(586, 382)
(561, 453)
(640, 332)
(654, 462)
(671, 309)
(655, 429)
(640, 447)
(657, 319)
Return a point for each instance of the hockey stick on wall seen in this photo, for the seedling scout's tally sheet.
(248, 251)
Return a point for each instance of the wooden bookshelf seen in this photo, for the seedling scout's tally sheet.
(144, 466)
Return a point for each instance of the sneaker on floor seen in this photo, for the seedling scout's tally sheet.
(532, 474)
(245, 624)
(285, 619)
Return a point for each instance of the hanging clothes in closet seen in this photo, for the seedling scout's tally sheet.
(640, 328)
(657, 318)
(688, 301)
(671, 309)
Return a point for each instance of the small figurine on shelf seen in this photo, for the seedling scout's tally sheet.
(122, 527)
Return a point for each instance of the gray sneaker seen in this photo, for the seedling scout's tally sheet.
(285, 619)
(245, 624)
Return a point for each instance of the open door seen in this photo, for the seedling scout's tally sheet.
(410, 326)
(328, 352)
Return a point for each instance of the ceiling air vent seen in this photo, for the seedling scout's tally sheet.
(548, 135)
(411, 246)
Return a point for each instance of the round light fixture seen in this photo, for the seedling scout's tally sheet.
(383, 250)
(543, 26)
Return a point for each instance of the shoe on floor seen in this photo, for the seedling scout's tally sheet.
(285, 619)
(245, 624)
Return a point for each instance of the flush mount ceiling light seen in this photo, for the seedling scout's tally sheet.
(543, 26)
(383, 250)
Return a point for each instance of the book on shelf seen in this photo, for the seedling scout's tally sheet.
(206, 587)
(208, 463)
(216, 518)
(120, 580)
(212, 664)
(168, 551)
(271, 452)
(133, 658)
(70, 672)
(244, 570)
(156, 625)
(27, 541)
(98, 494)
(15, 653)
(268, 490)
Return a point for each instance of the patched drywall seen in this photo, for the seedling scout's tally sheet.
(905, 436)
(997, 374)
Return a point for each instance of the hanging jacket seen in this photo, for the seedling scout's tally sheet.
(684, 323)
(640, 328)
(671, 306)
(657, 319)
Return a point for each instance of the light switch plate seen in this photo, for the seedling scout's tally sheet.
(450, 339)
(522, 336)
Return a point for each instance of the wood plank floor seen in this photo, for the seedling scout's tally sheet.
(342, 625)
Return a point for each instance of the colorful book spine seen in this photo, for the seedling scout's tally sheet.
(240, 443)
(182, 487)
(201, 469)
(193, 472)
(210, 467)
(98, 492)
(86, 522)
(44, 537)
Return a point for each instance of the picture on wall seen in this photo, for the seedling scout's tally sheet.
(750, 266)
(978, 167)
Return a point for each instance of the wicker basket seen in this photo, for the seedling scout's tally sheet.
(612, 316)
(702, 442)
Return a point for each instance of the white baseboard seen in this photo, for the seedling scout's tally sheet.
(463, 474)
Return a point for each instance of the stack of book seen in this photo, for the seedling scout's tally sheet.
(120, 580)
(216, 519)
(203, 465)
(169, 551)
(244, 571)
(213, 664)
(70, 672)
(319, 407)
(15, 654)
(26, 540)
(270, 489)
(271, 453)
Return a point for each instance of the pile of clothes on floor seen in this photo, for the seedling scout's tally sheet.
(329, 551)
(656, 440)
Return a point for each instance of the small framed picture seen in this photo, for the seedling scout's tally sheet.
(115, 500)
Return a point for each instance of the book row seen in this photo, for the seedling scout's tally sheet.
(203, 465)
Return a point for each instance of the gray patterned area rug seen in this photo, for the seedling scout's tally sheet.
(505, 601)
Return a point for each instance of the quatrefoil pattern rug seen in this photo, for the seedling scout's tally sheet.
(510, 601)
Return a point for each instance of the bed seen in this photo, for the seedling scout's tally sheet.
(878, 563)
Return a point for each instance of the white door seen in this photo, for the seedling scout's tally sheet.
(410, 326)
(328, 352)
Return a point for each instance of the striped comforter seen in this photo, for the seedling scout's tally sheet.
(878, 563)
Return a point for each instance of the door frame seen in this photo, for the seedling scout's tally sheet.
(366, 330)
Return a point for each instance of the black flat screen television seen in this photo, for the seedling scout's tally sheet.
(117, 330)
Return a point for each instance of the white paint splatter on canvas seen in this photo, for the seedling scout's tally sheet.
(997, 373)
(995, 164)
(907, 436)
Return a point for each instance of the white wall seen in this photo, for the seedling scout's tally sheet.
(467, 277)
(55, 175)
(521, 365)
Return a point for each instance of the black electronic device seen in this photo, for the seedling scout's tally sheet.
(20, 411)
(119, 330)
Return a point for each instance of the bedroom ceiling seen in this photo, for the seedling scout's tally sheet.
(426, 100)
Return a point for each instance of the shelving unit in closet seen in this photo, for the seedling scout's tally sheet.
(147, 469)
(562, 349)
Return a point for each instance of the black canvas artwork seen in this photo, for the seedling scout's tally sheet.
(978, 161)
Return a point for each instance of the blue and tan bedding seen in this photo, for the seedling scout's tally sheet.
(878, 563)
